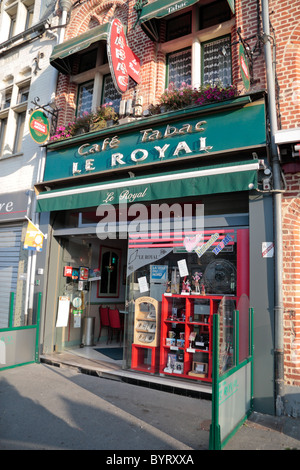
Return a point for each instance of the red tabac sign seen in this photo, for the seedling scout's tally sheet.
(123, 62)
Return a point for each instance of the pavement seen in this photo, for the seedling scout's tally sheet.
(43, 407)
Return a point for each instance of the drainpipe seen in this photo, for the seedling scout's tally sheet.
(278, 299)
(66, 8)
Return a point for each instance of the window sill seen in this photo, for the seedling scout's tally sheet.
(11, 155)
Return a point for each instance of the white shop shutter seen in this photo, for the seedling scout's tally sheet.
(10, 244)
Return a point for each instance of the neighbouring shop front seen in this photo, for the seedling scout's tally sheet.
(164, 219)
(19, 306)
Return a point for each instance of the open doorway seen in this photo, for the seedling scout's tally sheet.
(92, 277)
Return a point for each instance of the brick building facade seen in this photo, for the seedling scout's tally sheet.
(215, 23)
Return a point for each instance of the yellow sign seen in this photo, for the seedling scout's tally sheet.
(34, 238)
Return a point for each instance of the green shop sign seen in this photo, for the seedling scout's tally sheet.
(196, 134)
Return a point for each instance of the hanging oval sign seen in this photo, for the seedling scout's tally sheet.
(244, 68)
(39, 126)
(122, 61)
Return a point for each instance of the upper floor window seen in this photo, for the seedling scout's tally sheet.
(85, 97)
(95, 84)
(206, 56)
(5, 98)
(23, 93)
(214, 13)
(179, 68)
(3, 128)
(179, 26)
(12, 26)
(110, 95)
(29, 16)
(19, 131)
(216, 61)
(16, 17)
(13, 110)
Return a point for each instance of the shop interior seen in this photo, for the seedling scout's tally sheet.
(162, 292)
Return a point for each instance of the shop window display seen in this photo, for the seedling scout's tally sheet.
(190, 278)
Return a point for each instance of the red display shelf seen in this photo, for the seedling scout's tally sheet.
(145, 358)
(185, 319)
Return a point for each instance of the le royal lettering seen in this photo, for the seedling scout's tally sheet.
(141, 154)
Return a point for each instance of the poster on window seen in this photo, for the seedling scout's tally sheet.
(63, 311)
(158, 273)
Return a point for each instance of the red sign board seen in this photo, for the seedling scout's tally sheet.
(123, 62)
(68, 271)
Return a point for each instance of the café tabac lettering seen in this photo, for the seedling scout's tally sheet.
(159, 140)
(140, 154)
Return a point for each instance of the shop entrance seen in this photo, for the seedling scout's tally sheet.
(91, 285)
(166, 286)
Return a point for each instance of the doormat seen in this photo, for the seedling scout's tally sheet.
(112, 353)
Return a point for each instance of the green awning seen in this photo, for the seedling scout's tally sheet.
(162, 8)
(241, 176)
(152, 12)
(62, 53)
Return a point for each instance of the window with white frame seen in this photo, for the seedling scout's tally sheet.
(17, 17)
(206, 57)
(5, 98)
(85, 98)
(3, 128)
(12, 25)
(179, 68)
(109, 93)
(20, 123)
(95, 84)
(13, 109)
(23, 93)
(216, 61)
(29, 15)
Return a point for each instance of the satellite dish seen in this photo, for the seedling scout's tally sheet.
(220, 277)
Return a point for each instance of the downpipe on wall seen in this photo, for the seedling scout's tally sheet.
(277, 200)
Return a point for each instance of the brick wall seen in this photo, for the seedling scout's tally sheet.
(291, 278)
(285, 16)
(285, 20)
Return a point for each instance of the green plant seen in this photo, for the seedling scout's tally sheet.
(210, 94)
(82, 123)
(177, 98)
(63, 132)
(86, 122)
(103, 114)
